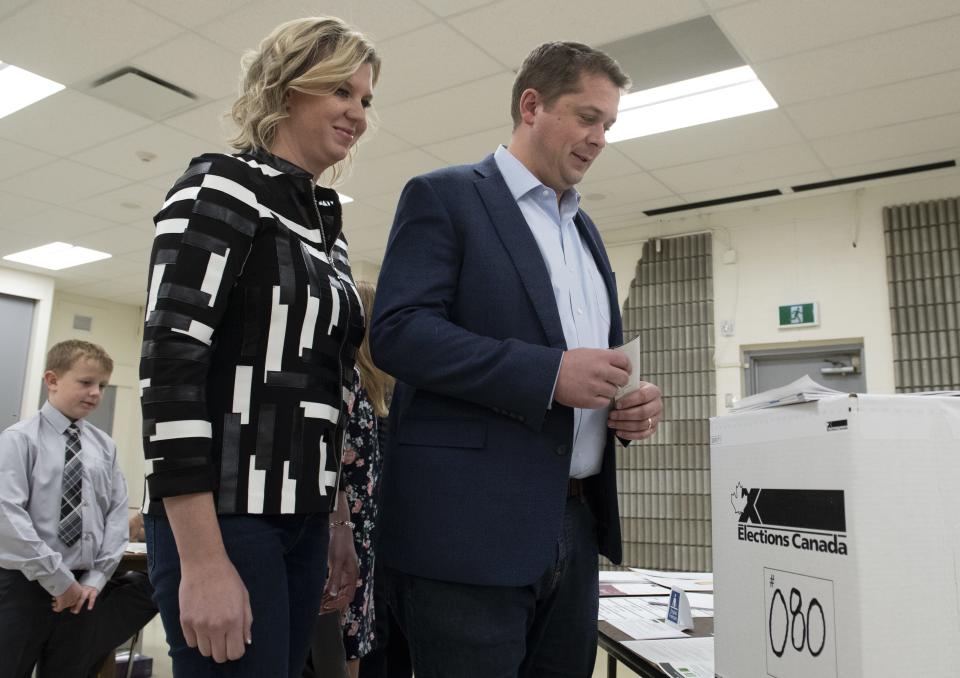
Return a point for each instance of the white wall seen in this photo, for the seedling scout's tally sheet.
(116, 327)
(39, 288)
(800, 250)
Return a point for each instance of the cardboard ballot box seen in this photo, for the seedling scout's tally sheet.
(836, 538)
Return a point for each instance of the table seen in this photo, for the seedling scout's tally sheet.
(610, 638)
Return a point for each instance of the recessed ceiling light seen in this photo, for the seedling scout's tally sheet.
(717, 96)
(56, 256)
(344, 199)
(20, 88)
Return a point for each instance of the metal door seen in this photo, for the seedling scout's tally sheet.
(16, 318)
(838, 367)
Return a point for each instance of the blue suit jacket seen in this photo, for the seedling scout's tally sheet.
(475, 477)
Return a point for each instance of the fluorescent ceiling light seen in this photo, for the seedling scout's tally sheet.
(56, 256)
(718, 96)
(344, 199)
(20, 88)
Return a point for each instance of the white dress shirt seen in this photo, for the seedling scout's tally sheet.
(582, 299)
(31, 475)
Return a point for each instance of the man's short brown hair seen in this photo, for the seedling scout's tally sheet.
(63, 355)
(554, 69)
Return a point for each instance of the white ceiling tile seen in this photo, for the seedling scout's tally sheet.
(893, 141)
(116, 240)
(129, 287)
(66, 40)
(210, 122)
(913, 99)
(622, 190)
(758, 166)
(772, 28)
(379, 142)
(114, 267)
(508, 30)
(471, 147)
(450, 7)
(411, 67)
(386, 202)
(58, 224)
(15, 158)
(191, 13)
(15, 241)
(369, 238)
(166, 180)
(64, 181)
(245, 28)
(876, 60)
(783, 183)
(388, 173)
(721, 4)
(358, 216)
(8, 7)
(14, 208)
(136, 203)
(457, 112)
(68, 122)
(900, 162)
(195, 64)
(712, 140)
(173, 151)
(609, 164)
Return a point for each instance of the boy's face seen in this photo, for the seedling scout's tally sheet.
(76, 392)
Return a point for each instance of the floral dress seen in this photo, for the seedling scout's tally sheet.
(361, 479)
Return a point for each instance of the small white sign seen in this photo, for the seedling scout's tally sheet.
(678, 612)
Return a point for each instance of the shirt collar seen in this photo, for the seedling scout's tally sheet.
(58, 419)
(520, 180)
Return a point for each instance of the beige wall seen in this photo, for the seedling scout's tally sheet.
(793, 251)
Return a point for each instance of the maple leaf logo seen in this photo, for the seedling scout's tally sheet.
(739, 499)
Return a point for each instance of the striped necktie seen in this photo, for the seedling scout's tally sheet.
(71, 521)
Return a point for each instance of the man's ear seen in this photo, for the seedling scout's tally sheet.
(530, 105)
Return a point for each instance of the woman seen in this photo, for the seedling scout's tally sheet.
(252, 324)
(361, 480)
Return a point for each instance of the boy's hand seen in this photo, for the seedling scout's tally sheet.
(88, 595)
(68, 598)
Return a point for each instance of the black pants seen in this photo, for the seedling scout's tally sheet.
(66, 645)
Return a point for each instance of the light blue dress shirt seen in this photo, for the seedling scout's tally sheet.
(582, 299)
(31, 475)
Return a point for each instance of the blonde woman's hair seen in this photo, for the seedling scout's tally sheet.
(315, 55)
(378, 384)
(62, 356)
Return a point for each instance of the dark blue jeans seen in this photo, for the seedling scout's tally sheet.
(282, 561)
(548, 628)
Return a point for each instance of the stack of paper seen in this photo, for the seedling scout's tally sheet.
(803, 390)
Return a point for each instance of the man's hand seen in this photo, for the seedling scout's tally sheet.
(68, 598)
(343, 570)
(636, 415)
(215, 612)
(88, 595)
(590, 377)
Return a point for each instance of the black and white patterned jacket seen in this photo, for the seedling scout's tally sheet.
(252, 324)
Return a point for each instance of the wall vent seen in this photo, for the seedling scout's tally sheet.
(82, 322)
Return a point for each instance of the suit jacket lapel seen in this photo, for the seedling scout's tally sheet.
(508, 221)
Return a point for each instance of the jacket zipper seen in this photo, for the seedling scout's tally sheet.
(343, 341)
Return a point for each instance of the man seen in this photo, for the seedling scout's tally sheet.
(496, 308)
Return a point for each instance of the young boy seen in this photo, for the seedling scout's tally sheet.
(63, 520)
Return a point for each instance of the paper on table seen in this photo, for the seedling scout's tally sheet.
(646, 629)
(685, 584)
(671, 574)
(617, 576)
(691, 657)
(136, 547)
(627, 608)
(632, 589)
(632, 350)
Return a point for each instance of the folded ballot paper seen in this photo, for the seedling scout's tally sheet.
(632, 350)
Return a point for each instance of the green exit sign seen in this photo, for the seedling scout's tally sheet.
(799, 315)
